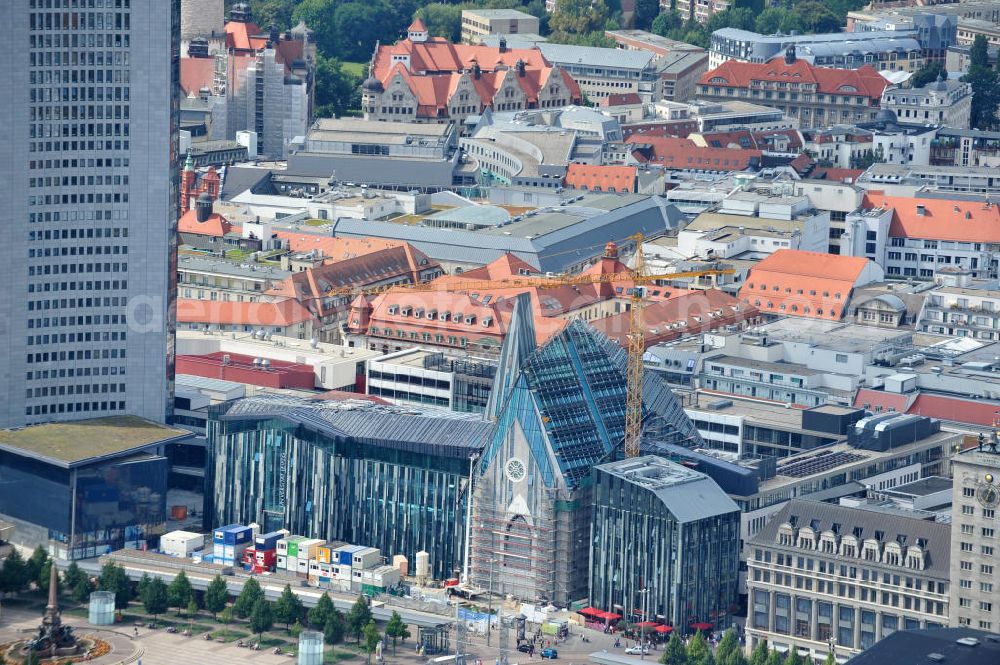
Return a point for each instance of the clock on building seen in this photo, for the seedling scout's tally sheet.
(987, 493)
(515, 470)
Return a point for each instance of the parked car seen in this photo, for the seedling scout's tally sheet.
(524, 648)
(637, 651)
(550, 653)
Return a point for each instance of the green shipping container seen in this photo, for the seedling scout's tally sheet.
(293, 549)
(371, 589)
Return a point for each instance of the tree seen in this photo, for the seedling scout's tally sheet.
(113, 578)
(442, 20)
(261, 618)
(192, 608)
(336, 88)
(216, 595)
(698, 652)
(318, 15)
(319, 615)
(645, 12)
(759, 655)
(180, 592)
(793, 657)
(14, 576)
(728, 645)
(80, 592)
(226, 616)
(335, 627)
(44, 573)
(358, 617)
(248, 598)
(33, 658)
(154, 597)
(927, 74)
(34, 564)
(985, 93)
(71, 576)
(769, 21)
(276, 13)
(372, 639)
(774, 658)
(358, 26)
(288, 609)
(296, 629)
(577, 17)
(667, 22)
(830, 659)
(816, 17)
(396, 629)
(674, 653)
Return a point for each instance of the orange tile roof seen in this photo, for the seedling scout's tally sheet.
(864, 81)
(243, 36)
(676, 153)
(839, 175)
(813, 285)
(281, 313)
(942, 219)
(417, 25)
(686, 314)
(505, 267)
(601, 178)
(216, 225)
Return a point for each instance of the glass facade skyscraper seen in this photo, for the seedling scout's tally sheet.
(89, 171)
(379, 476)
(665, 543)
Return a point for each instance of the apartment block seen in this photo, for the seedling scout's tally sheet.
(477, 23)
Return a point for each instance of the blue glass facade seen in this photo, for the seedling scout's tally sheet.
(370, 475)
(88, 510)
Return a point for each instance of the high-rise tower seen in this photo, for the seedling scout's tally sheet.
(89, 181)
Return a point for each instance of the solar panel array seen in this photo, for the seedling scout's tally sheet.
(819, 463)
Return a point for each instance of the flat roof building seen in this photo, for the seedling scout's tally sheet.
(478, 23)
(664, 543)
(86, 487)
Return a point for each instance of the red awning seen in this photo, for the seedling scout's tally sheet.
(590, 611)
(702, 626)
(664, 629)
(611, 616)
(646, 624)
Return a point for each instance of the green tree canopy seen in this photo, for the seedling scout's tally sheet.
(358, 617)
(80, 592)
(442, 19)
(927, 74)
(248, 598)
(728, 645)
(578, 17)
(216, 595)
(335, 627)
(667, 22)
(674, 653)
(289, 608)
(34, 563)
(14, 575)
(645, 12)
(154, 597)
(372, 638)
(759, 655)
(396, 629)
(336, 88)
(261, 618)
(698, 652)
(113, 578)
(180, 593)
(984, 82)
(319, 615)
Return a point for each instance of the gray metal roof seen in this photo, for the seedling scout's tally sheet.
(824, 515)
(418, 429)
(689, 495)
(217, 266)
(238, 179)
(593, 56)
(551, 240)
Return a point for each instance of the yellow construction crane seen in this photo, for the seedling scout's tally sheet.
(636, 337)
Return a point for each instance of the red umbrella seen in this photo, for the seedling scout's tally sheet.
(663, 630)
(590, 611)
(611, 616)
(702, 626)
(645, 624)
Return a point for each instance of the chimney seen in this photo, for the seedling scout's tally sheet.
(503, 44)
(476, 71)
(921, 210)
(520, 67)
(790, 54)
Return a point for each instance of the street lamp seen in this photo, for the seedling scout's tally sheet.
(642, 625)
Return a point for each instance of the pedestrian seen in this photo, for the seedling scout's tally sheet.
(136, 629)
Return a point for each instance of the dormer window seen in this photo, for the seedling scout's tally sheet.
(431, 314)
(419, 313)
(471, 319)
(406, 311)
(393, 310)
(487, 321)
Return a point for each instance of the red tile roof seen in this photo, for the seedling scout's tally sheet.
(941, 219)
(620, 99)
(505, 267)
(683, 154)
(244, 36)
(216, 225)
(196, 73)
(601, 178)
(864, 81)
(878, 401)
(334, 248)
(686, 314)
(282, 313)
(417, 26)
(437, 66)
(839, 175)
(813, 285)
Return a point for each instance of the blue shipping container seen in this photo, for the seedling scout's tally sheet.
(234, 534)
(219, 535)
(268, 541)
(346, 554)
